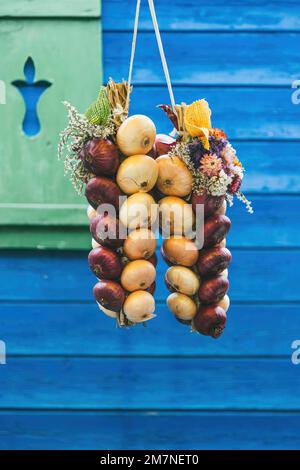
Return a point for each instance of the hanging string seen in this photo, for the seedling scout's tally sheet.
(162, 54)
(160, 47)
(133, 46)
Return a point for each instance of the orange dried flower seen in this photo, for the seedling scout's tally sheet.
(218, 133)
(237, 162)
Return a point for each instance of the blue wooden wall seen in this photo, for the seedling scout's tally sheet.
(74, 381)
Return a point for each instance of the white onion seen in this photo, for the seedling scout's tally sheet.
(224, 303)
(95, 244)
(107, 312)
(91, 212)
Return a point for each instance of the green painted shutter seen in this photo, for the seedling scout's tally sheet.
(38, 205)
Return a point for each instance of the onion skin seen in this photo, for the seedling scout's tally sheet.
(211, 203)
(140, 244)
(210, 321)
(103, 225)
(152, 288)
(180, 250)
(105, 263)
(136, 135)
(222, 209)
(163, 144)
(102, 190)
(162, 252)
(182, 279)
(138, 275)
(153, 153)
(101, 157)
(130, 214)
(216, 228)
(213, 261)
(174, 178)
(213, 289)
(107, 312)
(176, 216)
(95, 244)
(182, 306)
(225, 303)
(110, 295)
(137, 173)
(139, 306)
(153, 260)
(91, 212)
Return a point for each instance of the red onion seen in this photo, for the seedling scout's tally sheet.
(102, 190)
(153, 259)
(210, 321)
(152, 288)
(216, 228)
(105, 230)
(211, 203)
(212, 290)
(105, 263)
(110, 295)
(213, 261)
(163, 144)
(101, 157)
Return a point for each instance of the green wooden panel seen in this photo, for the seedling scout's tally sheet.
(46, 237)
(53, 8)
(33, 190)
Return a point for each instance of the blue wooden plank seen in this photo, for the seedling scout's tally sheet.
(267, 170)
(252, 330)
(108, 431)
(217, 15)
(266, 113)
(150, 384)
(255, 275)
(206, 58)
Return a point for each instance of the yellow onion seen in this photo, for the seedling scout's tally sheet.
(139, 210)
(107, 312)
(180, 250)
(91, 212)
(139, 306)
(137, 173)
(176, 216)
(224, 303)
(136, 135)
(183, 307)
(138, 275)
(174, 177)
(182, 279)
(140, 244)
